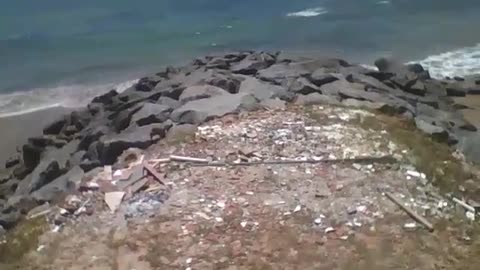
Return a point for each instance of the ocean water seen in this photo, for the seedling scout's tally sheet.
(61, 53)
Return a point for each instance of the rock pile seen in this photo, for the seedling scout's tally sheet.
(176, 98)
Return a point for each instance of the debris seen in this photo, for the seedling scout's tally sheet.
(361, 208)
(82, 208)
(202, 215)
(114, 199)
(329, 230)
(188, 159)
(464, 205)
(297, 209)
(414, 173)
(410, 212)
(470, 215)
(351, 211)
(318, 221)
(243, 224)
(40, 248)
(219, 219)
(189, 260)
(107, 173)
(151, 171)
(410, 225)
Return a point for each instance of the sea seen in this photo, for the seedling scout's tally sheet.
(64, 52)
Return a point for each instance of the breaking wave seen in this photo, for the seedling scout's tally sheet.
(70, 96)
(460, 62)
(311, 12)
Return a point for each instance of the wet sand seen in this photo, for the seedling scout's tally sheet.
(15, 130)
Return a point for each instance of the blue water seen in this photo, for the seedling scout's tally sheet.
(53, 51)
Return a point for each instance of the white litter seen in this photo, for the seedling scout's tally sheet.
(297, 209)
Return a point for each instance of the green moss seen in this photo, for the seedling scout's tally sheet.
(21, 239)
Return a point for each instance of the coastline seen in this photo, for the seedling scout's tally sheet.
(17, 128)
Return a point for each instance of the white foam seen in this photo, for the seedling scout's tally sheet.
(384, 2)
(70, 96)
(311, 12)
(460, 62)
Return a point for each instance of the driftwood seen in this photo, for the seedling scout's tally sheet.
(151, 171)
(410, 212)
(464, 205)
(188, 159)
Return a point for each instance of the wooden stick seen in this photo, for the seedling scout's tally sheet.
(410, 212)
(464, 205)
(151, 171)
(188, 159)
(385, 160)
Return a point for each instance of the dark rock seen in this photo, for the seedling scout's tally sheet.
(301, 86)
(31, 155)
(8, 188)
(261, 90)
(218, 63)
(170, 102)
(80, 119)
(112, 146)
(311, 65)
(55, 128)
(418, 88)
(91, 135)
(87, 165)
(9, 218)
(455, 90)
(369, 82)
(76, 159)
(227, 83)
(45, 172)
(46, 140)
(168, 73)
(62, 185)
(12, 161)
(199, 111)
(445, 119)
(105, 99)
(426, 125)
(21, 171)
(70, 130)
(151, 113)
(122, 120)
(321, 77)
(200, 92)
(146, 84)
(316, 98)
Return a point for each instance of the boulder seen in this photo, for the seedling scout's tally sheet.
(311, 65)
(253, 63)
(228, 83)
(87, 165)
(426, 125)
(278, 73)
(199, 92)
(317, 99)
(418, 88)
(80, 119)
(181, 132)
(170, 102)
(122, 119)
(273, 104)
(31, 155)
(47, 140)
(389, 65)
(199, 111)
(260, 89)
(334, 88)
(146, 84)
(62, 185)
(369, 82)
(8, 188)
(322, 76)
(218, 63)
(111, 146)
(151, 113)
(55, 127)
(105, 99)
(12, 161)
(435, 88)
(76, 158)
(445, 119)
(457, 89)
(300, 85)
(91, 135)
(46, 172)
(9, 218)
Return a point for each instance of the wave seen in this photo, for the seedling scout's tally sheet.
(311, 12)
(69, 96)
(384, 2)
(460, 62)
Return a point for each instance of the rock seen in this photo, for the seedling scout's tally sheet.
(278, 73)
(261, 90)
(111, 146)
(418, 88)
(321, 77)
(200, 91)
(227, 83)
(181, 132)
(445, 119)
(369, 82)
(218, 63)
(437, 133)
(76, 158)
(274, 104)
(47, 140)
(80, 119)
(199, 111)
(392, 66)
(122, 120)
(9, 218)
(2, 231)
(68, 182)
(333, 88)
(12, 161)
(356, 91)
(469, 145)
(170, 102)
(253, 63)
(45, 172)
(91, 135)
(301, 86)
(151, 113)
(146, 84)
(31, 155)
(435, 88)
(56, 127)
(105, 99)
(317, 99)
(8, 188)
(88, 165)
(456, 90)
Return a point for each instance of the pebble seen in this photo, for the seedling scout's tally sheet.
(297, 209)
(329, 230)
(318, 221)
